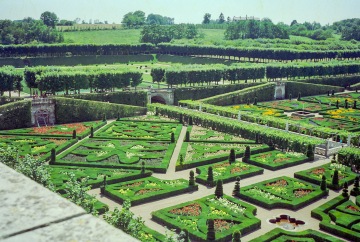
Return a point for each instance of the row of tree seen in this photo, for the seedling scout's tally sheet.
(257, 53)
(73, 49)
(157, 33)
(10, 80)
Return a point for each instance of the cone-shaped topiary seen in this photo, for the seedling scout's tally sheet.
(310, 152)
(355, 191)
(211, 230)
(156, 111)
(323, 183)
(74, 134)
(345, 190)
(247, 154)
(346, 104)
(118, 117)
(172, 139)
(181, 159)
(232, 156)
(333, 160)
(328, 93)
(219, 192)
(104, 118)
(181, 118)
(236, 236)
(236, 190)
(332, 92)
(257, 138)
(91, 132)
(255, 101)
(335, 178)
(248, 101)
(299, 96)
(354, 104)
(187, 136)
(143, 167)
(337, 103)
(190, 121)
(103, 186)
(191, 179)
(53, 156)
(210, 176)
(290, 96)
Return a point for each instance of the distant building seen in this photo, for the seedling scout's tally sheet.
(235, 19)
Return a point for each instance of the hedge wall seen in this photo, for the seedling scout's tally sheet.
(349, 156)
(308, 89)
(128, 98)
(341, 81)
(15, 115)
(5, 100)
(196, 93)
(263, 92)
(69, 110)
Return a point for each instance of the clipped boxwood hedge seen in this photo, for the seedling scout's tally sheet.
(68, 110)
(349, 156)
(6, 100)
(15, 115)
(279, 234)
(308, 89)
(341, 81)
(274, 193)
(147, 190)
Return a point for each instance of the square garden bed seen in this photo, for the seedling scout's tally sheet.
(229, 215)
(140, 130)
(344, 114)
(226, 172)
(204, 153)
(339, 216)
(294, 105)
(62, 130)
(276, 159)
(38, 147)
(314, 175)
(282, 192)
(147, 189)
(119, 154)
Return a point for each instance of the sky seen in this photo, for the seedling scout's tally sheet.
(185, 11)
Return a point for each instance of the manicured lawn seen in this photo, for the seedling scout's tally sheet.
(38, 147)
(122, 36)
(314, 175)
(226, 172)
(282, 192)
(229, 215)
(159, 131)
(119, 153)
(276, 159)
(147, 189)
(294, 105)
(63, 130)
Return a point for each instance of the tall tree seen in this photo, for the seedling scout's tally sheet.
(134, 19)
(221, 18)
(207, 18)
(50, 19)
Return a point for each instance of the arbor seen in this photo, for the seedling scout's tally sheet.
(49, 18)
(207, 18)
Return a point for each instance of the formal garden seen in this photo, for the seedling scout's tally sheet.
(202, 135)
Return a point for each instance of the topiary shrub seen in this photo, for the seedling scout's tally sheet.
(335, 178)
(236, 190)
(104, 118)
(232, 156)
(332, 92)
(118, 117)
(191, 179)
(346, 104)
(337, 103)
(310, 153)
(181, 118)
(290, 96)
(345, 190)
(211, 230)
(257, 138)
(247, 154)
(355, 190)
(190, 121)
(219, 191)
(236, 236)
(299, 96)
(143, 167)
(210, 176)
(172, 139)
(248, 101)
(255, 101)
(187, 136)
(181, 159)
(53, 156)
(354, 104)
(74, 134)
(323, 183)
(91, 132)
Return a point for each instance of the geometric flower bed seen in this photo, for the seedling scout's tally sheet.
(329, 123)
(339, 97)
(147, 189)
(200, 153)
(343, 114)
(281, 192)
(306, 235)
(226, 172)
(149, 118)
(294, 105)
(339, 216)
(119, 153)
(63, 130)
(38, 147)
(95, 176)
(275, 160)
(140, 130)
(314, 175)
(257, 109)
(229, 215)
(202, 134)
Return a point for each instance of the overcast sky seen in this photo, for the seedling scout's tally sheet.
(185, 11)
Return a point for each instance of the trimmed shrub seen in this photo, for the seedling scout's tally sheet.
(143, 167)
(345, 190)
(181, 159)
(92, 132)
(232, 156)
(210, 176)
(236, 236)
(192, 179)
(219, 191)
(310, 153)
(355, 191)
(210, 230)
(335, 179)
(247, 154)
(187, 136)
(236, 190)
(323, 183)
(74, 134)
(15, 115)
(172, 139)
(308, 89)
(53, 156)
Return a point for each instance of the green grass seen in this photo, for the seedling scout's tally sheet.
(124, 36)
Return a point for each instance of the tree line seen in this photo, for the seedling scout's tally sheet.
(157, 33)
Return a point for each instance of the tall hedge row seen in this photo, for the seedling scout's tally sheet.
(308, 89)
(15, 115)
(68, 110)
(341, 81)
(196, 93)
(5, 100)
(128, 98)
(263, 92)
